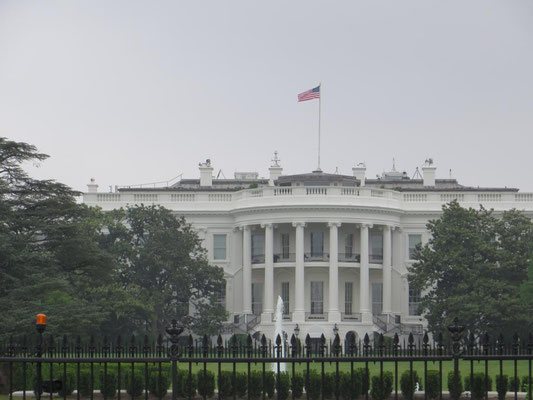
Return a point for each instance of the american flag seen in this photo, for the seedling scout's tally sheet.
(310, 94)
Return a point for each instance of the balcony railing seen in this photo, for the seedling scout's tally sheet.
(284, 257)
(312, 317)
(308, 257)
(355, 317)
(375, 258)
(258, 259)
(349, 257)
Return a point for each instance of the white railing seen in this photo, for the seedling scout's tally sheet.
(415, 197)
(105, 197)
(145, 198)
(283, 191)
(523, 197)
(486, 197)
(447, 197)
(316, 190)
(349, 191)
(179, 197)
(219, 197)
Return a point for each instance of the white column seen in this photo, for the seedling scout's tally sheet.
(246, 270)
(268, 307)
(387, 270)
(298, 314)
(334, 314)
(364, 277)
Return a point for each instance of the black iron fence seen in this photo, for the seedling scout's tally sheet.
(242, 367)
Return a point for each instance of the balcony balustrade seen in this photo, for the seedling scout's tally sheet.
(375, 258)
(349, 257)
(284, 257)
(354, 317)
(317, 257)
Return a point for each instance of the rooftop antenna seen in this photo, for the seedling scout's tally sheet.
(275, 160)
(417, 174)
(450, 173)
(220, 173)
(336, 170)
(393, 164)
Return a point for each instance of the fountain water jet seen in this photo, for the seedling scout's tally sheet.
(278, 330)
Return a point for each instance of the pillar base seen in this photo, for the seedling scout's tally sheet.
(298, 316)
(334, 316)
(366, 317)
(266, 318)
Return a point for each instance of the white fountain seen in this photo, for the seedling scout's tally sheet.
(278, 330)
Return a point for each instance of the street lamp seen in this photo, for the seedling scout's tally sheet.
(296, 330)
(335, 330)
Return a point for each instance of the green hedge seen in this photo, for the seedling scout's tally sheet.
(381, 387)
(433, 384)
(297, 385)
(158, 384)
(480, 384)
(455, 385)
(408, 383)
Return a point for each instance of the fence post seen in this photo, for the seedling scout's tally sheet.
(456, 332)
(41, 326)
(174, 353)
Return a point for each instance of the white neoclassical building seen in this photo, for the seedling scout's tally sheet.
(334, 247)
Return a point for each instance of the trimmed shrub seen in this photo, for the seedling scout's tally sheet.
(313, 385)
(225, 387)
(502, 384)
(381, 388)
(134, 384)
(158, 384)
(365, 379)
(84, 385)
(514, 384)
(525, 383)
(108, 383)
(455, 385)
(297, 385)
(255, 388)
(269, 386)
(69, 383)
(206, 383)
(241, 384)
(478, 385)
(189, 385)
(328, 387)
(432, 384)
(349, 388)
(283, 385)
(408, 383)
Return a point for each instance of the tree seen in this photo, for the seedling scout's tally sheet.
(161, 258)
(472, 268)
(48, 253)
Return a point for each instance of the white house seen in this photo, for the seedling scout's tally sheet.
(335, 247)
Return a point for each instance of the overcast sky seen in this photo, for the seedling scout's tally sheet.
(131, 92)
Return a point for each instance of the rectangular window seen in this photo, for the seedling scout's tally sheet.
(348, 245)
(219, 247)
(317, 297)
(376, 248)
(257, 298)
(285, 248)
(348, 297)
(285, 297)
(414, 302)
(377, 298)
(258, 248)
(220, 296)
(317, 244)
(414, 240)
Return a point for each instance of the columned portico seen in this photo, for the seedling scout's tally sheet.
(246, 270)
(364, 280)
(298, 314)
(268, 307)
(334, 314)
(387, 270)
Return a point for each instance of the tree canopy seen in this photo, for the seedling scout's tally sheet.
(473, 267)
(94, 272)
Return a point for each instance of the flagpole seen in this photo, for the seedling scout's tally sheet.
(319, 115)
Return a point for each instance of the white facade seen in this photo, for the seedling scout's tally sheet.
(335, 247)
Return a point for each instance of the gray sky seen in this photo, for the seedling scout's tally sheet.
(131, 92)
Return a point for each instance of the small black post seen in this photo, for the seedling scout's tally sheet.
(41, 326)
(174, 353)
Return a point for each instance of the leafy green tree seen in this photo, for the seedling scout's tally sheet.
(160, 257)
(49, 256)
(472, 268)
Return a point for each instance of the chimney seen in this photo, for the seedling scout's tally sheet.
(359, 172)
(275, 169)
(206, 173)
(92, 187)
(429, 172)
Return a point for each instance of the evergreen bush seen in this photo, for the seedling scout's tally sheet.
(408, 383)
(189, 385)
(297, 385)
(134, 384)
(349, 388)
(225, 387)
(433, 384)
(502, 385)
(478, 385)
(241, 384)
(514, 384)
(525, 383)
(255, 388)
(455, 385)
(381, 386)
(365, 380)
(313, 385)
(328, 385)
(282, 385)
(85, 386)
(108, 383)
(269, 386)
(68, 383)
(206, 384)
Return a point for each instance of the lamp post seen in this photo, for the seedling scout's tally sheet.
(335, 330)
(296, 330)
(40, 324)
